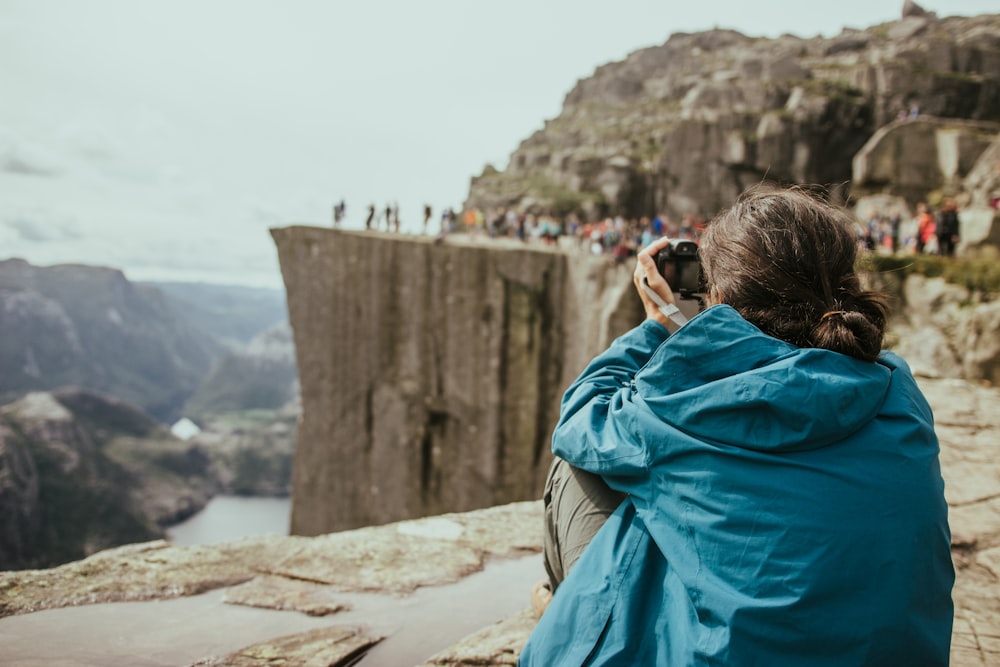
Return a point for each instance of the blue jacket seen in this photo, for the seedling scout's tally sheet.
(785, 507)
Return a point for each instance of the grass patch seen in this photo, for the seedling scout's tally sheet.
(978, 274)
(245, 419)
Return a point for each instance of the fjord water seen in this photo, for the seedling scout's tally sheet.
(232, 517)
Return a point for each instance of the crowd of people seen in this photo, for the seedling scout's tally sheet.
(929, 231)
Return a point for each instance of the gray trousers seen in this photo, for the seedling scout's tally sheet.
(577, 503)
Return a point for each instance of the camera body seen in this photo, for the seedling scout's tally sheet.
(680, 266)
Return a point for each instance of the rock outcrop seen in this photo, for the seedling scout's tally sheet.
(685, 127)
(432, 372)
(946, 331)
(921, 158)
(81, 472)
(313, 575)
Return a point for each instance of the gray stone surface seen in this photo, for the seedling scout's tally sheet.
(395, 558)
(967, 421)
(948, 331)
(914, 158)
(324, 647)
(498, 644)
(315, 575)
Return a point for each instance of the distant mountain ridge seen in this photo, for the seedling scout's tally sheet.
(90, 327)
(229, 312)
(151, 344)
(262, 375)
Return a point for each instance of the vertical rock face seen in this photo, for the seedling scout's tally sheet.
(914, 158)
(431, 374)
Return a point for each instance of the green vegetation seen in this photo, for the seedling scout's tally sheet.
(255, 455)
(246, 419)
(834, 89)
(241, 382)
(981, 274)
(562, 200)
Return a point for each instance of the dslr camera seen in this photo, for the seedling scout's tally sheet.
(678, 263)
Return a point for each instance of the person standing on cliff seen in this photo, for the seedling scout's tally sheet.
(947, 227)
(926, 227)
(371, 217)
(339, 211)
(760, 485)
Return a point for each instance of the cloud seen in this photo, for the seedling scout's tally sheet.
(23, 158)
(18, 165)
(39, 231)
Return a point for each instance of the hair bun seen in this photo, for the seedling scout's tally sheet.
(849, 332)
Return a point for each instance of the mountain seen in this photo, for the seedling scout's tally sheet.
(684, 127)
(90, 327)
(229, 312)
(258, 376)
(81, 472)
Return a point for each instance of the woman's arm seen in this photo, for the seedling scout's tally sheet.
(596, 430)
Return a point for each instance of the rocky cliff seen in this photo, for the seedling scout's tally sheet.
(80, 472)
(432, 372)
(686, 126)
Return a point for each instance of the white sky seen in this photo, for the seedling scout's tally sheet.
(165, 138)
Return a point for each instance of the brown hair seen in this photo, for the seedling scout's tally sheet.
(784, 260)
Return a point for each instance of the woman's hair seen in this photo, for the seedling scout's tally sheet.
(785, 261)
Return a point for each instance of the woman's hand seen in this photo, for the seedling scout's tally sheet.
(645, 272)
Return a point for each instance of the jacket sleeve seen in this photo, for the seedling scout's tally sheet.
(596, 430)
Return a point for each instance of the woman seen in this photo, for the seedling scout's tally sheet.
(784, 498)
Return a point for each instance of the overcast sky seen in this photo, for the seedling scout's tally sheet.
(165, 138)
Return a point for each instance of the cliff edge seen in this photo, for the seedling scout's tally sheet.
(432, 371)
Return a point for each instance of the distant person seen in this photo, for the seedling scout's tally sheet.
(339, 211)
(759, 485)
(947, 228)
(395, 217)
(658, 226)
(370, 220)
(427, 216)
(926, 227)
(895, 222)
(388, 216)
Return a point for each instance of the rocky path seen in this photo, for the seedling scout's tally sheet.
(331, 599)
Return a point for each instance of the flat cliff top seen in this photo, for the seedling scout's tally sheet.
(315, 575)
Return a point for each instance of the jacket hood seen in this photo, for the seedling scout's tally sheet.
(723, 380)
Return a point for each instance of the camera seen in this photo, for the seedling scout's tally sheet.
(678, 263)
